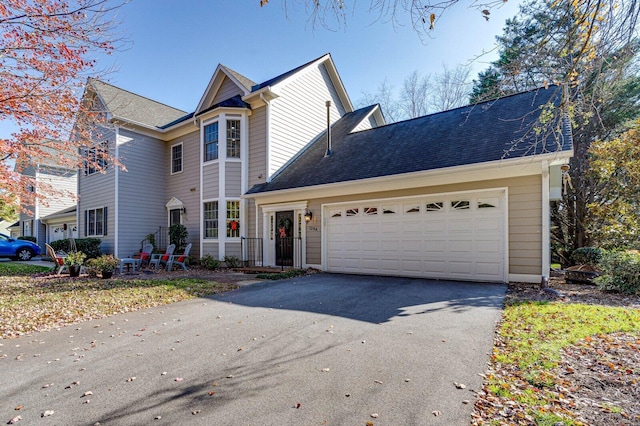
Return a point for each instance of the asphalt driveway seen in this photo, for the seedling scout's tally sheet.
(316, 350)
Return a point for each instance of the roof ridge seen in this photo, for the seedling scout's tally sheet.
(286, 74)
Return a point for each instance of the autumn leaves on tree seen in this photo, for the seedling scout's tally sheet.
(47, 51)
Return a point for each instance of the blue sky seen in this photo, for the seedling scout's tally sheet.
(176, 45)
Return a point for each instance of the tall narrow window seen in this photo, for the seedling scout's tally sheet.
(176, 158)
(233, 138)
(95, 158)
(211, 142)
(233, 219)
(95, 222)
(211, 219)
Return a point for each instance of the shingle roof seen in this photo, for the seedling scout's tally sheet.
(484, 132)
(247, 83)
(124, 104)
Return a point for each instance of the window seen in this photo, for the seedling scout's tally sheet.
(211, 219)
(411, 208)
(233, 219)
(176, 158)
(211, 142)
(435, 207)
(27, 228)
(95, 222)
(352, 212)
(370, 211)
(487, 203)
(460, 205)
(95, 158)
(233, 138)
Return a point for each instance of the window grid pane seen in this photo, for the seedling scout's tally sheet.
(211, 219)
(176, 158)
(211, 142)
(233, 138)
(233, 219)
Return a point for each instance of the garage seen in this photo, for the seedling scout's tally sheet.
(460, 236)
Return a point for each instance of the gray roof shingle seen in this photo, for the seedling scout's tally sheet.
(124, 104)
(484, 132)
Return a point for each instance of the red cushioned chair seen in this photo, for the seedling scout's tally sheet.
(179, 259)
(162, 259)
(56, 258)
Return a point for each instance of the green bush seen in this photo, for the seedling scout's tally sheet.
(620, 272)
(89, 246)
(209, 262)
(27, 238)
(178, 235)
(232, 261)
(587, 256)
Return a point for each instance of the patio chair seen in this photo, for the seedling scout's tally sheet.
(145, 255)
(56, 258)
(179, 259)
(162, 259)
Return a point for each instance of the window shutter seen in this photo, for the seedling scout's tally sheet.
(104, 221)
(86, 223)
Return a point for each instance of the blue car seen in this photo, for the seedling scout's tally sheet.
(17, 249)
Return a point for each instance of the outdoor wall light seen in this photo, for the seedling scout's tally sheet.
(308, 216)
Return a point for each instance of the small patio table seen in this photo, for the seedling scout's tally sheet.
(129, 261)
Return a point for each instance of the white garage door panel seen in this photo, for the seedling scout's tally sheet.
(458, 236)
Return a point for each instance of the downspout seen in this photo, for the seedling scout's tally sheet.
(546, 226)
(267, 137)
(116, 240)
(329, 151)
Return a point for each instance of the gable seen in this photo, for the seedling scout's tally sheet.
(224, 84)
(228, 89)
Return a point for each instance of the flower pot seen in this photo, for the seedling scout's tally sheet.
(107, 274)
(74, 270)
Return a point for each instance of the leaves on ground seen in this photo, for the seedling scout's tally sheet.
(29, 304)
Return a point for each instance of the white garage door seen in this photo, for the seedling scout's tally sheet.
(454, 236)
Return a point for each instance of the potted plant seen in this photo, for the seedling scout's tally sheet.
(105, 264)
(74, 262)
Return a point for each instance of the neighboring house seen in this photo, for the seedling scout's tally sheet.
(45, 172)
(14, 230)
(462, 194)
(61, 224)
(5, 225)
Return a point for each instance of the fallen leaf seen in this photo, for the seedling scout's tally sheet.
(195, 412)
(325, 370)
(179, 379)
(19, 407)
(87, 393)
(14, 420)
(378, 382)
(459, 385)
(211, 393)
(157, 417)
(374, 415)
(436, 413)
(47, 413)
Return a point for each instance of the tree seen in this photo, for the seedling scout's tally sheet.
(615, 211)
(9, 211)
(47, 50)
(419, 96)
(588, 47)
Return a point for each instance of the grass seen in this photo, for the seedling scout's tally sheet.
(29, 304)
(531, 338)
(16, 269)
(291, 273)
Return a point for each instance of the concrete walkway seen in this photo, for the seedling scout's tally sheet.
(316, 350)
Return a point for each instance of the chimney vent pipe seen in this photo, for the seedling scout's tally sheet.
(329, 151)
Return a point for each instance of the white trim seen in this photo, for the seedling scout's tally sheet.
(222, 183)
(525, 278)
(298, 205)
(498, 169)
(171, 172)
(116, 221)
(546, 221)
(201, 168)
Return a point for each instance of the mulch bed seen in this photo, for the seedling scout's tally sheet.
(599, 377)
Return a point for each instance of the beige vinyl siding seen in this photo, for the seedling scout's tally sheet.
(299, 115)
(210, 181)
(98, 191)
(228, 89)
(233, 249)
(258, 146)
(525, 212)
(211, 247)
(185, 186)
(233, 174)
(141, 194)
(250, 227)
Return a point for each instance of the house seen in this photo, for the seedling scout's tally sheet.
(287, 172)
(46, 175)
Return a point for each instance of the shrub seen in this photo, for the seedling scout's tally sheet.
(104, 263)
(232, 261)
(209, 262)
(178, 235)
(587, 256)
(75, 258)
(28, 238)
(90, 246)
(620, 272)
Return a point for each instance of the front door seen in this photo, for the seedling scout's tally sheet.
(174, 217)
(284, 238)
